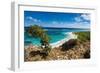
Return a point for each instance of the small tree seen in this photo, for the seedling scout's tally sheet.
(37, 32)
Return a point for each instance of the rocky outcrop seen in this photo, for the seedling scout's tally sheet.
(72, 49)
(69, 44)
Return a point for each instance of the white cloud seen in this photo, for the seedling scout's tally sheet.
(82, 18)
(33, 19)
(78, 19)
(69, 25)
(80, 25)
(54, 22)
(29, 18)
(85, 16)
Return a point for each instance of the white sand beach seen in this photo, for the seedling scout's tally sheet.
(59, 43)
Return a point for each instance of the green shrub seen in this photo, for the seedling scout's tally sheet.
(83, 36)
(38, 32)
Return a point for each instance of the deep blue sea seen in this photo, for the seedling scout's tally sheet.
(56, 34)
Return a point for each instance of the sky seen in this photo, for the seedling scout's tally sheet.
(57, 19)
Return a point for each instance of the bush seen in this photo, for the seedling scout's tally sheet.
(37, 32)
(83, 36)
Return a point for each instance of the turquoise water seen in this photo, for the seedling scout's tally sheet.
(55, 35)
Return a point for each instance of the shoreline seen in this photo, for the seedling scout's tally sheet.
(59, 43)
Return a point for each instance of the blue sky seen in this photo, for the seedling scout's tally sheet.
(57, 19)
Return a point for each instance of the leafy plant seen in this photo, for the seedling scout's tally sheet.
(83, 36)
(38, 32)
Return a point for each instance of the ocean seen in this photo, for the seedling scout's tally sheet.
(55, 34)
